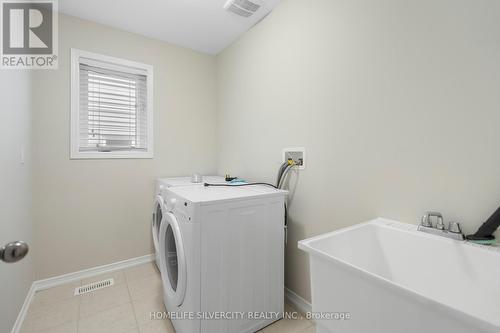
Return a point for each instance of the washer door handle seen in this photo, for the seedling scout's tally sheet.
(14, 252)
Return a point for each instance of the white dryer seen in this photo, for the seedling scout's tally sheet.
(159, 209)
(221, 254)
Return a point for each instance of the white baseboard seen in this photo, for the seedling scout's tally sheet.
(86, 273)
(70, 277)
(297, 302)
(24, 309)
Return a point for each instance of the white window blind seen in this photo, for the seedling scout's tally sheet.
(113, 109)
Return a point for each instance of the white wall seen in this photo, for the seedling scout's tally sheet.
(15, 190)
(396, 102)
(94, 212)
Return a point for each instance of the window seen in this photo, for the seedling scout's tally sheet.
(111, 107)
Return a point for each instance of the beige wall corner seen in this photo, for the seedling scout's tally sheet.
(396, 103)
(93, 212)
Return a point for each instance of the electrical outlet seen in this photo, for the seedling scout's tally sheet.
(298, 155)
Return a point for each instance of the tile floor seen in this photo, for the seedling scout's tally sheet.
(122, 308)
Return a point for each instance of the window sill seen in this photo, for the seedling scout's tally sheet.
(110, 155)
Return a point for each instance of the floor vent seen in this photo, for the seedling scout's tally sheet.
(88, 288)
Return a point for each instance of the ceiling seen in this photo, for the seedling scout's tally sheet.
(201, 25)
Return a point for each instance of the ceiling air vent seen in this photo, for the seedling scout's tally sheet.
(245, 8)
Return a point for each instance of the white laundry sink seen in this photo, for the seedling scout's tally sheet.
(388, 277)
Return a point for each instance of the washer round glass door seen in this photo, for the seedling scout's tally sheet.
(157, 218)
(173, 260)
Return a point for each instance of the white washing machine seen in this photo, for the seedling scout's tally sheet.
(222, 253)
(158, 210)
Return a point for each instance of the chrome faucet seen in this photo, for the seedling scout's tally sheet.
(426, 220)
(453, 231)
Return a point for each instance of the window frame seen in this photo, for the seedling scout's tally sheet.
(109, 63)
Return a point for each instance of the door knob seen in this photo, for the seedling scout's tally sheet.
(13, 252)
